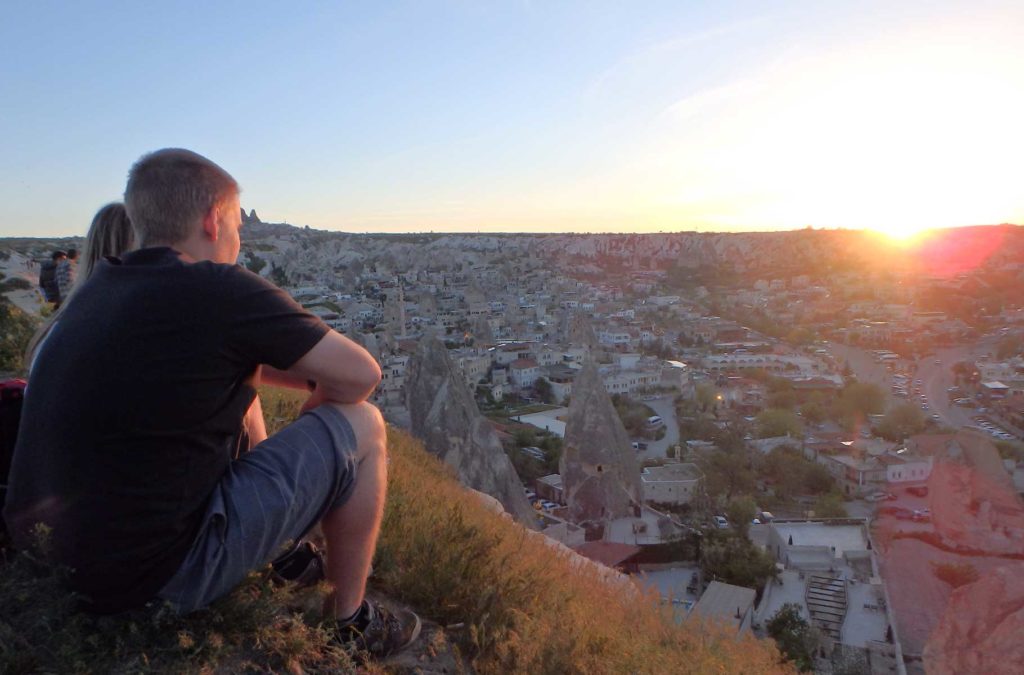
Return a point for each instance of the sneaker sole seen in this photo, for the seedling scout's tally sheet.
(415, 633)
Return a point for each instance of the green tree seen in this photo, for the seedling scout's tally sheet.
(830, 506)
(782, 399)
(740, 512)
(904, 420)
(794, 636)
(734, 560)
(861, 399)
(778, 422)
(543, 389)
(727, 474)
(814, 412)
(707, 396)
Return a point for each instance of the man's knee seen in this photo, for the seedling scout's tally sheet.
(367, 425)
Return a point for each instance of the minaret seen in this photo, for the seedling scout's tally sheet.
(401, 307)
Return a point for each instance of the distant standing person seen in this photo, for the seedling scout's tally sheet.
(48, 277)
(66, 269)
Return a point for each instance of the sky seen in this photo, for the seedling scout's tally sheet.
(527, 116)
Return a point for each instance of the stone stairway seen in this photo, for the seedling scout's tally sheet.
(825, 598)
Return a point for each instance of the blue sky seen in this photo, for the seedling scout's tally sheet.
(525, 116)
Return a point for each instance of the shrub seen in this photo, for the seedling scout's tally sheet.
(18, 328)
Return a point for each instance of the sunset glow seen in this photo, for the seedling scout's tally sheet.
(893, 118)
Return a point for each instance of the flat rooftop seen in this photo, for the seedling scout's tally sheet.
(844, 537)
(671, 473)
(649, 528)
(724, 601)
(549, 420)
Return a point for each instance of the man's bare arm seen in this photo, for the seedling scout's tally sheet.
(343, 371)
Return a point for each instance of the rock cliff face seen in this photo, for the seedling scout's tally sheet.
(445, 417)
(972, 499)
(600, 474)
(980, 631)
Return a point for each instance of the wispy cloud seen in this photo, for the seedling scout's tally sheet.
(650, 58)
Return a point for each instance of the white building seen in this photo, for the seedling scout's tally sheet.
(671, 483)
(523, 372)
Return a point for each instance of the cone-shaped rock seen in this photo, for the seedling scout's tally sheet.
(581, 333)
(600, 474)
(482, 332)
(445, 417)
(368, 341)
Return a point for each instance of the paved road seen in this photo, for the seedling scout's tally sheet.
(937, 377)
(665, 407)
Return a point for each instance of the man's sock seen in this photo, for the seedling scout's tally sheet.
(358, 619)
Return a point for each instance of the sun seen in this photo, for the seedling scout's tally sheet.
(903, 235)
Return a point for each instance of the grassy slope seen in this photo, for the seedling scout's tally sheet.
(513, 603)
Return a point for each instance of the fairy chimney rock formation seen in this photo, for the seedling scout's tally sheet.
(581, 333)
(600, 474)
(482, 333)
(445, 417)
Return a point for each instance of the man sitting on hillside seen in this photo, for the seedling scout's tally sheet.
(135, 406)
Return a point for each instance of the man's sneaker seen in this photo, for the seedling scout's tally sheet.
(378, 631)
(302, 565)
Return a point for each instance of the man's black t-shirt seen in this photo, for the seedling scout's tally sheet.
(132, 411)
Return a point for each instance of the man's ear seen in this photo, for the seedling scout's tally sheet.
(211, 224)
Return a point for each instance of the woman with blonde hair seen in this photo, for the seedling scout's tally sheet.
(110, 234)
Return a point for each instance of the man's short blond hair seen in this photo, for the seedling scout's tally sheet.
(168, 193)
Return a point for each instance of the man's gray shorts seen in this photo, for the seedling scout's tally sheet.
(271, 495)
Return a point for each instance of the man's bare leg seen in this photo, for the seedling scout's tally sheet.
(255, 425)
(351, 531)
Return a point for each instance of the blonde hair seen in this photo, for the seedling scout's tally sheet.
(110, 234)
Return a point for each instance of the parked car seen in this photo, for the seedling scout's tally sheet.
(923, 514)
(721, 523)
(896, 512)
(876, 497)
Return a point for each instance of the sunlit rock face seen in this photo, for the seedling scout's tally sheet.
(600, 474)
(445, 417)
(974, 505)
(981, 629)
